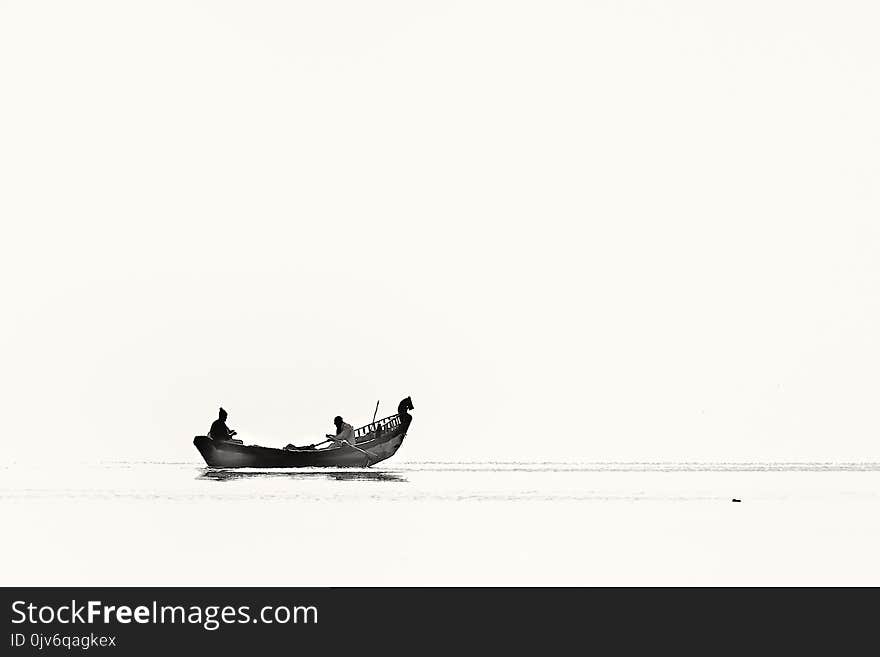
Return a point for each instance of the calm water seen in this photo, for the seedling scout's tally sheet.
(442, 523)
(445, 481)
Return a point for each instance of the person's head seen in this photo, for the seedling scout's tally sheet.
(337, 421)
(223, 415)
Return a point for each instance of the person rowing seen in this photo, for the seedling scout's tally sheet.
(344, 432)
(344, 437)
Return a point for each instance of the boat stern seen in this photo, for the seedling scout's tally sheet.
(206, 448)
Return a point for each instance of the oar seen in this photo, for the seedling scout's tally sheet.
(363, 451)
(370, 455)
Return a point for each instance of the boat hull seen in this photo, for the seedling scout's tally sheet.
(380, 444)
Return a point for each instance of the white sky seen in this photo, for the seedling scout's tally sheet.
(570, 230)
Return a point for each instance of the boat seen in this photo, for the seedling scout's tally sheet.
(374, 442)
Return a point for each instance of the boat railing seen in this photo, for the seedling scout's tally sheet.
(385, 423)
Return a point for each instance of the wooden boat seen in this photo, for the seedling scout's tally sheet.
(376, 442)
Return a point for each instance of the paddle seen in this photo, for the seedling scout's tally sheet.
(363, 451)
(340, 443)
(370, 455)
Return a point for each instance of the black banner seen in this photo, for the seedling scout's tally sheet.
(237, 621)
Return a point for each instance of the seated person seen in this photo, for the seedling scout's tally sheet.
(219, 430)
(344, 435)
(344, 432)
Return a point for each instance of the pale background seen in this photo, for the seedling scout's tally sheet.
(572, 231)
(567, 229)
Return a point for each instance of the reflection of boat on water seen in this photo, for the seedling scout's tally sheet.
(374, 442)
(223, 474)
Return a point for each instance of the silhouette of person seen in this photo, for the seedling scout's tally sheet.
(344, 432)
(219, 430)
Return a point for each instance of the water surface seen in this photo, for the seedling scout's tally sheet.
(407, 523)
